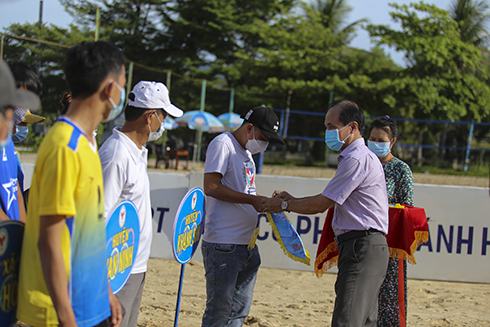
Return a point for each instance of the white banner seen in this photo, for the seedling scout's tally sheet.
(167, 190)
(459, 245)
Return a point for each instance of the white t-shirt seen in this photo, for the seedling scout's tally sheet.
(226, 222)
(125, 178)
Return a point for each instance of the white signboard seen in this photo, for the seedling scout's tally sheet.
(459, 245)
(167, 190)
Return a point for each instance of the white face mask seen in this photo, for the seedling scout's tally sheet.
(256, 146)
(156, 135)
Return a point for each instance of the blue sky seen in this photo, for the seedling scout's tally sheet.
(377, 11)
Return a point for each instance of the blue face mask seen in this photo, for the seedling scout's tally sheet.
(21, 134)
(332, 138)
(380, 149)
(116, 110)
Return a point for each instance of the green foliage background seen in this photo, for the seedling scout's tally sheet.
(265, 49)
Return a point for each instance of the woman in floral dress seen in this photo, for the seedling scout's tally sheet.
(392, 300)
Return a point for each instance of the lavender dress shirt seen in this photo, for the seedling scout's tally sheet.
(359, 191)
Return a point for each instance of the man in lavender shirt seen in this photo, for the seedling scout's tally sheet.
(360, 223)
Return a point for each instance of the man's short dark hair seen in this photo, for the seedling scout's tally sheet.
(133, 113)
(89, 63)
(349, 112)
(25, 76)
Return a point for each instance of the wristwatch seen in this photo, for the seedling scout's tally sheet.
(284, 205)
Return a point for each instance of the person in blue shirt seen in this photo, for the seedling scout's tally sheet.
(11, 201)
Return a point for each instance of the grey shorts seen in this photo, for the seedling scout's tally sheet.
(130, 299)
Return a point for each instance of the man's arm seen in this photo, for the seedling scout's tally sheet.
(116, 311)
(3, 215)
(49, 244)
(20, 202)
(307, 205)
(310, 204)
(213, 187)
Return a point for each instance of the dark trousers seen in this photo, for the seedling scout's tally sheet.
(104, 323)
(362, 268)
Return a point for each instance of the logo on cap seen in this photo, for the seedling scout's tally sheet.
(247, 116)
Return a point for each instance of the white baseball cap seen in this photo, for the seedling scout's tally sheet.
(152, 95)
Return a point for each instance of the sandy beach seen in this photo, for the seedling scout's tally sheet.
(298, 298)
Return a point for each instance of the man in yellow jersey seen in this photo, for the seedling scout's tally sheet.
(63, 274)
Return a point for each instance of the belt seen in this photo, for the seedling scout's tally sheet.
(355, 234)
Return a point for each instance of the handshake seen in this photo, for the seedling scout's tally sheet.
(275, 204)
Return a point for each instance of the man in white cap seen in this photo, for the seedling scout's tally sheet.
(124, 164)
(11, 201)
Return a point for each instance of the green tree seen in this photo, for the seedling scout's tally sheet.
(137, 27)
(298, 55)
(473, 18)
(433, 86)
(334, 15)
(197, 38)
(207, 33)
(443, 79)
(46, 58)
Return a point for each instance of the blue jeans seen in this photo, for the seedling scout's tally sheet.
(231, 271)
